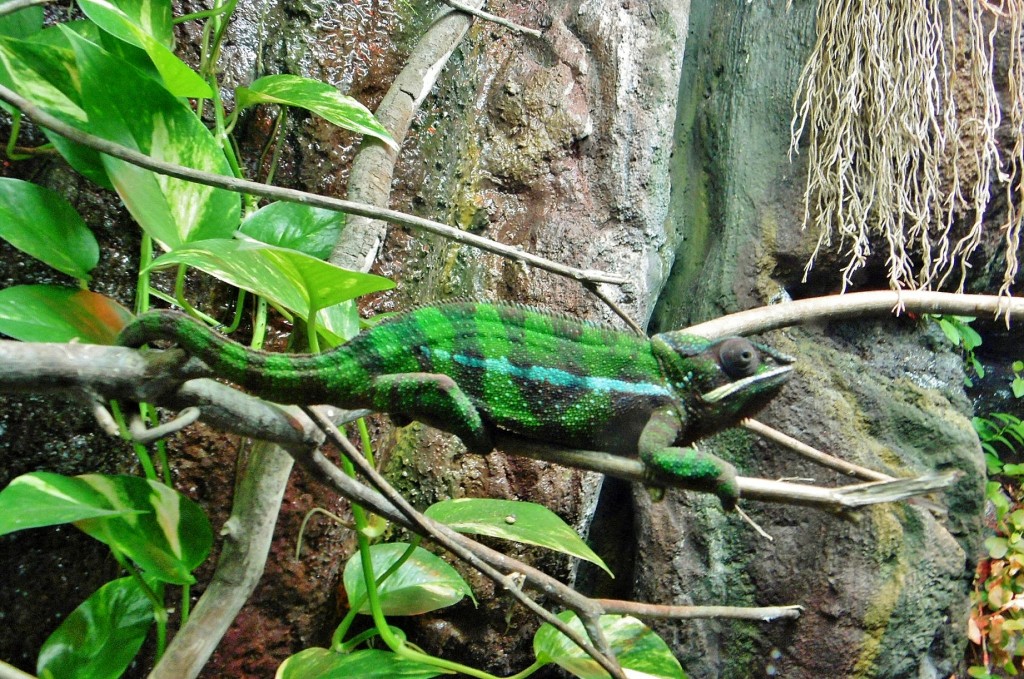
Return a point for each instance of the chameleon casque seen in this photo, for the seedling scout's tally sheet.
(473, 368)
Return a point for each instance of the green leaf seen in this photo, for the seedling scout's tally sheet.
(153, 17)
(979, 368)
(338, 323)
(997, 547)
(169, 540)
(42, 223)
(99, 638)
(44, 74)
(972, 340)
(315, 96)
(44, 71)
(46, 499)
(422, 584)
(308, 229)
(950, 331)
(148, 25)
(158, 528)
(22, 23)
(641, 652)
(1017, 385)
(1013, 469)
(126, 107)
(511, 520)
(51, 313)
(366, 664)
(287, 278)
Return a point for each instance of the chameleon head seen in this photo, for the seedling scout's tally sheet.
(719, 382)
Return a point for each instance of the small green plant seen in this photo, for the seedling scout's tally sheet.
(413, 581)
(996, 625)
(1017, 383)
(959, 331)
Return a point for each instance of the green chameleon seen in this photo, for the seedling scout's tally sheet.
(472, 369)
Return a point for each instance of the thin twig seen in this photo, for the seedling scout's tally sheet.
(44, 119)
(642, 610)
(493, 18)
(614, 306)
(145, 435)
(813, 454)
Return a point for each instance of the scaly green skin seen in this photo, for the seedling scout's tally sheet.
(470, 369)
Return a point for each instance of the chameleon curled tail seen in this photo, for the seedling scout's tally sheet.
(286, 378)
(352, 376)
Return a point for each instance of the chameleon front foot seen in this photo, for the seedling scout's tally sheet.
(699, 470)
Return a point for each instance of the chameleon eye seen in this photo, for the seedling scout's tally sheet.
(738, 358)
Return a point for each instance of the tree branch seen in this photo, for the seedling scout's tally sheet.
(642, 610)
(44, 119)
(247, 535)
(857, 305)
(487, 16)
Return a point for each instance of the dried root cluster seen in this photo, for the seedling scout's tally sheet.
(901, 118)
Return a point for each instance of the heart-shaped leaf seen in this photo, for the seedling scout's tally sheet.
(99, 638)
(421, 584)
(158, 528)
(45, 499)
(42, 223)
(148, 26)
(305, 228)
(129, 108)
(287, 278)
(168, 540)
(44, 74)
(51, 313)
(366, 664)
(315, 96)
(641, 652)
(512, 520)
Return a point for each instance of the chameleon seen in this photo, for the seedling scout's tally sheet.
(473, 369)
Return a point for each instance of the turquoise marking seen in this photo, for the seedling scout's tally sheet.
(559, 378)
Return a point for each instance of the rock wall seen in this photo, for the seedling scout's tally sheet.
(885, 593)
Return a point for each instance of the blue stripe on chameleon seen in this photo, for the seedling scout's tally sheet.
(559, 378)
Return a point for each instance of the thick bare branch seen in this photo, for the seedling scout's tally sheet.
(247, 538)
(858, 305)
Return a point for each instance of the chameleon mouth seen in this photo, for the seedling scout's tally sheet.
(775, 377)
